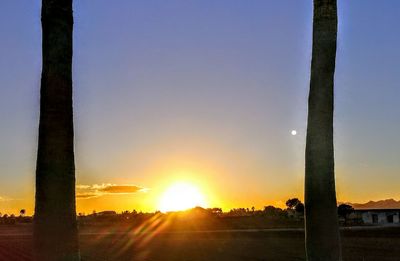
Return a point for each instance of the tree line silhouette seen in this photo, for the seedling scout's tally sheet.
(267, 217)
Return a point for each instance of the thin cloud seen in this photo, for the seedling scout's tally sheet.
(2, 199)
(87, 195)
(82, 186)
(95, 190)
(121, 189)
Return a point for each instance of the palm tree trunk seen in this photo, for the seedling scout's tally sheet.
(322, 229)
(55, 227)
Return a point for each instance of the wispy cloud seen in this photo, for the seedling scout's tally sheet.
(2, 199)
(121, 189)
(82, 186)
(92, 191)
(86, 195)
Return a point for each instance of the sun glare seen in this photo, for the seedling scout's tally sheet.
(181, 196)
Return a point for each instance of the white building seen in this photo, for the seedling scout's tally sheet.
(379, 216)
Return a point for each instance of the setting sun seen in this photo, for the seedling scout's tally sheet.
(181, 196)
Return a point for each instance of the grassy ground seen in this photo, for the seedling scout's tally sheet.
(358, 245)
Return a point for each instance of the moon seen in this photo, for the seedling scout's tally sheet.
(293, 132)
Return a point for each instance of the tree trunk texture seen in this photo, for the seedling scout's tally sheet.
(55, 226)
(321, 221)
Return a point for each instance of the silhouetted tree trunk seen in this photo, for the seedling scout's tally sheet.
(322, 229)
(55, 227)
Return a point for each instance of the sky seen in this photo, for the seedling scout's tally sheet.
(203, 92)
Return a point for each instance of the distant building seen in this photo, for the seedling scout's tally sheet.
(377, 216)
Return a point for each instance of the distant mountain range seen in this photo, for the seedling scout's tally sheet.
(380, 204)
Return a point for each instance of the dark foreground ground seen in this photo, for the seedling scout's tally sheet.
(99, 244)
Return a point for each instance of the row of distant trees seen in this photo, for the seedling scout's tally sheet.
(294, 209)
(22, 213)
(12, 219)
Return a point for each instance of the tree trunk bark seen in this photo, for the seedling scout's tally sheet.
(55, 226)
(321, 221)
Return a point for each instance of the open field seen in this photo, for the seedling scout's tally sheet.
(381, 244)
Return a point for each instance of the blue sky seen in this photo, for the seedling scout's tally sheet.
(210, 89)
